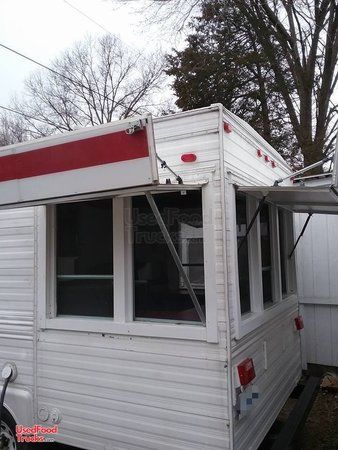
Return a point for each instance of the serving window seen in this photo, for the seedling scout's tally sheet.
(265, 271)
(159, 291)
(243, 253)
(266, 256)
(84, 259)
(109, 267)
(286, 242)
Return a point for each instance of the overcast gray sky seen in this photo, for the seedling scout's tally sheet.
(41, 29)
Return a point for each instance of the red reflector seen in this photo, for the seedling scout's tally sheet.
(259, 153)
(188, 157)
(246, 371)
(227, 127)
(267, 159)
(299, 323)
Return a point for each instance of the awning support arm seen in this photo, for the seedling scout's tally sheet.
(251, 224)
(305, 169)
(301, 234)
(164, 165)
(175, 256)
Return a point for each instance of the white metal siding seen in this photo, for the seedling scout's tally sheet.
(278, 372)
(241, 159)
(17, 291)
(317, 265)
(276, 376)
(134, 392)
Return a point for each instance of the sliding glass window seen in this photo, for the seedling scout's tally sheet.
(243, 256)
(159, 290)
(265, 233)
(84, 259)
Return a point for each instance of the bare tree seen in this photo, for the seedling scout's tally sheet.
(305, 33)
(12, 129)
(94, 82)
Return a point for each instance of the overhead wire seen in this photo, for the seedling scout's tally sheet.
(53, 71)
(87, 17)
(82, 13)
(50, 69)
(28, 116)
(44, 66)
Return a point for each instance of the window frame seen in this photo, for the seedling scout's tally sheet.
(260, 313)
(183, 252)
(288, 242)
(123, 321)
(52, 292)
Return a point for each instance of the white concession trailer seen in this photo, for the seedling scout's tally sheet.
(148, 299)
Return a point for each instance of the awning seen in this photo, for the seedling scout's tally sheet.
(83, 163)
(301, 199)
(125, 192)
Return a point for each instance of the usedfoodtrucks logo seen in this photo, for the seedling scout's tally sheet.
(37, 433)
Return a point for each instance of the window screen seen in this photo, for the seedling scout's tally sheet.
(84, 247)
(266, 254)
(158, 288)
(243, 257)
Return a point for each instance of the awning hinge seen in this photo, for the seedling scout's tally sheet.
(134, 127)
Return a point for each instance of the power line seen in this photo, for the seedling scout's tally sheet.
(28, 116)
(53, 71)
(87, 17)
(97, 23)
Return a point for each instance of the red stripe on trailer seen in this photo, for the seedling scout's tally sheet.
(94, 151)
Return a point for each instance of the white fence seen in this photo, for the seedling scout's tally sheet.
(317, 266)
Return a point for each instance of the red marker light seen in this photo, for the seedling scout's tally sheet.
(259, 153)
(266, 157)
(188, 157)
(273, 164)
(227, 127)
(299, 323)
(246, 371)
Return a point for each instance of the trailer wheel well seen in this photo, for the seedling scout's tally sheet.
(9, 421)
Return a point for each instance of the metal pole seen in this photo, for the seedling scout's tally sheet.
(301, 234)
(175, 256)
(305, 169)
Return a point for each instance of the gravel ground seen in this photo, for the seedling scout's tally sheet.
(321, 428)
(320, 431)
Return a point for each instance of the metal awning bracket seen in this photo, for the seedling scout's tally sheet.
(301, 234)
(175, 256)
(305, 169)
